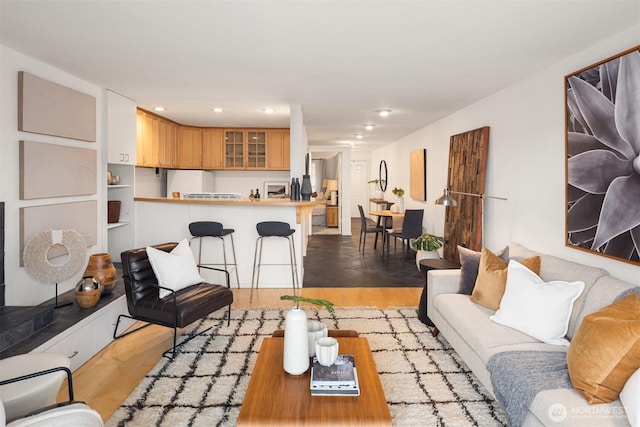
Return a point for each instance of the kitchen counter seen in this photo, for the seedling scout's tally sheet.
(159, 220)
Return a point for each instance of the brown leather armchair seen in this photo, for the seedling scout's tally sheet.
(177, 310)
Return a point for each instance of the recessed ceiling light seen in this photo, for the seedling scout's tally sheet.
(217, 109)
(384, 113)
(369, 126)
(158, 109)
(268, 110)
(359, 135)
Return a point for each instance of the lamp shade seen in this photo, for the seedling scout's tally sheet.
(332, 185)
(446, 199)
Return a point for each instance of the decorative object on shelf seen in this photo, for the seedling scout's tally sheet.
(601, 115)
(377, 193)
(305, 188)
(113, 211)
(109, 178)
(175, 194)
(251, 196)
(38, 266)
(315, 330)
(276, 190)
(102, 269)
(296, 340)
(427, 246)
(327, 350)
(88, 291)
(257, 195)
(292, 190)
(447, 200)
(399, 193)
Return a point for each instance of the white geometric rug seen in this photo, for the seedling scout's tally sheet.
(425, 382)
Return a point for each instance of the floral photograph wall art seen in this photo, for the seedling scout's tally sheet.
(603, 157)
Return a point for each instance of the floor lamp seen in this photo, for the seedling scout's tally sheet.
(447, 200)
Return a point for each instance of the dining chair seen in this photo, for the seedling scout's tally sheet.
(411, 227)
(366, 229)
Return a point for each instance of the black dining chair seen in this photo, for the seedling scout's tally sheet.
(411, 227)
(366, 229)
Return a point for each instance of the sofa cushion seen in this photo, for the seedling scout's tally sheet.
(537, 308)
(554, 268)
(480, 333)
(600, 371)
(492, 278)
(469, 263)
(630, 398)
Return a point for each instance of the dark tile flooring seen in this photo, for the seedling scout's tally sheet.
(334, 261)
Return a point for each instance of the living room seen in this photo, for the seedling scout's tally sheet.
(526, 163)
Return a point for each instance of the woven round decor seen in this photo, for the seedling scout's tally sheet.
(35, 255)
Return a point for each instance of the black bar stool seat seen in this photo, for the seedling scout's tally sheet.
(201, 229)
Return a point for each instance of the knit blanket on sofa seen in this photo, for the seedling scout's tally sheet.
(518, 376)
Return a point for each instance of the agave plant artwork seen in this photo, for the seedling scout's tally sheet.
(603, 157)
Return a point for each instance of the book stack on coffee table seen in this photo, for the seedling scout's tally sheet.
(339, 379)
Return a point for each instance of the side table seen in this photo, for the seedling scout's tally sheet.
(431, 264)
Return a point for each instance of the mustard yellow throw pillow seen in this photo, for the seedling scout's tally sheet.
(605, 350)
(492, 278)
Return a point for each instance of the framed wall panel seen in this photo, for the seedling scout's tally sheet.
(79, 216)
(48, 108)
(49, 170)
(418, 174)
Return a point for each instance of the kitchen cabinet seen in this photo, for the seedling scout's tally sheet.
(189, 148)
(278, 150)
(212, 148)
(121, 129)
(167, 144)
(246, 149)
(156, 141)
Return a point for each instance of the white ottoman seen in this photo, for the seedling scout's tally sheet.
(22, 397)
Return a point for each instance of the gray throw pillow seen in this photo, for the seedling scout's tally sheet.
(469, 263)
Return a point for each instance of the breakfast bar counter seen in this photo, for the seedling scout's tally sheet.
(160, 220)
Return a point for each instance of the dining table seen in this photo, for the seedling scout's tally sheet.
(386, 213)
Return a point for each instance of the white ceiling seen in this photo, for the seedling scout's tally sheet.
(339, 60)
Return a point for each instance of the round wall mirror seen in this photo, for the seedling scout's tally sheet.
(382, 175)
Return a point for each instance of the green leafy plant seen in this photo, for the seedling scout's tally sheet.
(397, 191)
(428, 242)
(298, 299)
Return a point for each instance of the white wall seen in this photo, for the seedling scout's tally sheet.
(526, 160)
(21, 289)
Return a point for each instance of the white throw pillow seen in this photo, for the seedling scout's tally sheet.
(630, 398)
(175, 270)
(537, 308)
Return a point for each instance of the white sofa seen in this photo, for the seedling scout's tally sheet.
(468, 329)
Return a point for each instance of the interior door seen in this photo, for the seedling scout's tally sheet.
(359, 186)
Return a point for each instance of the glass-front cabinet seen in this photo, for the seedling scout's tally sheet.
(257, 149)
(233, 149)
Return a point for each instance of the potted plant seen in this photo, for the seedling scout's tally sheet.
(427, 246)
(398, 207)
(296, 342)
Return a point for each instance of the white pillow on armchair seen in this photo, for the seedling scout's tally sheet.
(174, 270)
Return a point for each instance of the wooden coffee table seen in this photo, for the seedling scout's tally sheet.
(276, 398)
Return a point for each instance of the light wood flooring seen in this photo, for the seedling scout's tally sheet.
(105, 381)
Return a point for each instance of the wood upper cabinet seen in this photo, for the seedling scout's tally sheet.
(189, 149)
(245, 149)
(212, 148)
(279, 150)
(167, 144)
(155, 140)
(234, 149)
(256, 157)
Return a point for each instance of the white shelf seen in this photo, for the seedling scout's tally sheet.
(116, 225)
(118, 186)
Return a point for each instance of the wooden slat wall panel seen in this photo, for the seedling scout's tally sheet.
(418, 174)
(48, 108)
(467, 170)
(49, 170)
(79, 216)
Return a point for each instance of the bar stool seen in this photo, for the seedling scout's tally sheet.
(202, 229)
(274, 229)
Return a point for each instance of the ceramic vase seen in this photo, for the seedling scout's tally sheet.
(400, 204)
(315, 330)
(101, 267)
(305, 188)
(296, 342)
(420, 255)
